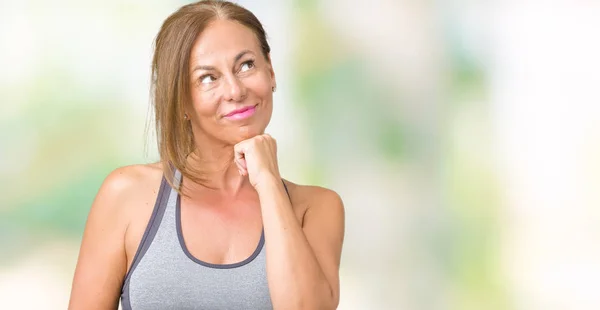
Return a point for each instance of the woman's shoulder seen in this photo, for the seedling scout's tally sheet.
(127, 178)
(136, 171)
(311, 195)
(132, 182)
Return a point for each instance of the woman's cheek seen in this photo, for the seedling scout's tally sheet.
(205, 101)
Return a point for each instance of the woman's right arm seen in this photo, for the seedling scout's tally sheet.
(102, 262)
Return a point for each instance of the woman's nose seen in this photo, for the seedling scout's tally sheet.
(235, 90)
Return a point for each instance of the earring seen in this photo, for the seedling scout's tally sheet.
(185, 116)
(274, 88)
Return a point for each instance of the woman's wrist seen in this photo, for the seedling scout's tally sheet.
(268, 185)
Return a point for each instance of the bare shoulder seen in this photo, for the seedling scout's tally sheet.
(310, 193)
(311, 198)
(127, 184)
(125, 202)
(124, 179)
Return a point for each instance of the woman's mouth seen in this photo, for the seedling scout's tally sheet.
(241, 113)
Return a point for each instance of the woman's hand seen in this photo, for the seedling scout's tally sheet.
(257, 158)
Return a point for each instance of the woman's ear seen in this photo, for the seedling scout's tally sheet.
(271, 71)
(186, 114)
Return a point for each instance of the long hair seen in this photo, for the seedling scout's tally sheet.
(170, 84)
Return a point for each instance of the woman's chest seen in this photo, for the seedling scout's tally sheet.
(170, 280)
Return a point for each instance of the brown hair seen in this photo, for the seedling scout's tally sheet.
(171, 79)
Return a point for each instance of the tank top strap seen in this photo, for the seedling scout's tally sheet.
(286, 190)
(151, 228)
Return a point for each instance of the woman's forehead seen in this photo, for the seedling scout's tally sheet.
(224, 39)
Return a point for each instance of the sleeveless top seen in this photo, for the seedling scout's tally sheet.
(165, 275)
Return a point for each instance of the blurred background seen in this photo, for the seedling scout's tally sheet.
(463, 137)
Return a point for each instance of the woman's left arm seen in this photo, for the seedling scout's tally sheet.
(303, 259)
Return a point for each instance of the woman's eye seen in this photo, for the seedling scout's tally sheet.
(247, 66)
(207, 79)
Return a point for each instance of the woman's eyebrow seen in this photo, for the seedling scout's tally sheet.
(201, 67)
(235, 59)
(240, 55)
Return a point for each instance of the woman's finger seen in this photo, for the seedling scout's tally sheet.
(241, 168)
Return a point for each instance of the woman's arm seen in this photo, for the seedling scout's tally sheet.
(302, 260)
(102, 259)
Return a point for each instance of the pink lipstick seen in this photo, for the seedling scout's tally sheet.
(241, 113)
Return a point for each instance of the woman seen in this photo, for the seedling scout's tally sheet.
(213, 225)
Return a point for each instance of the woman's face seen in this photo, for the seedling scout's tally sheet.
(229, 74)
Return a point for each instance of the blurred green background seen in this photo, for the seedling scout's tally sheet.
(463, 137)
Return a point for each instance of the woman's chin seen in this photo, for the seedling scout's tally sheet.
(247, 132)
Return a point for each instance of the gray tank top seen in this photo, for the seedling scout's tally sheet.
(164, 275)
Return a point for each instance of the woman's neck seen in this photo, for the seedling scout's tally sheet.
(216, 167)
